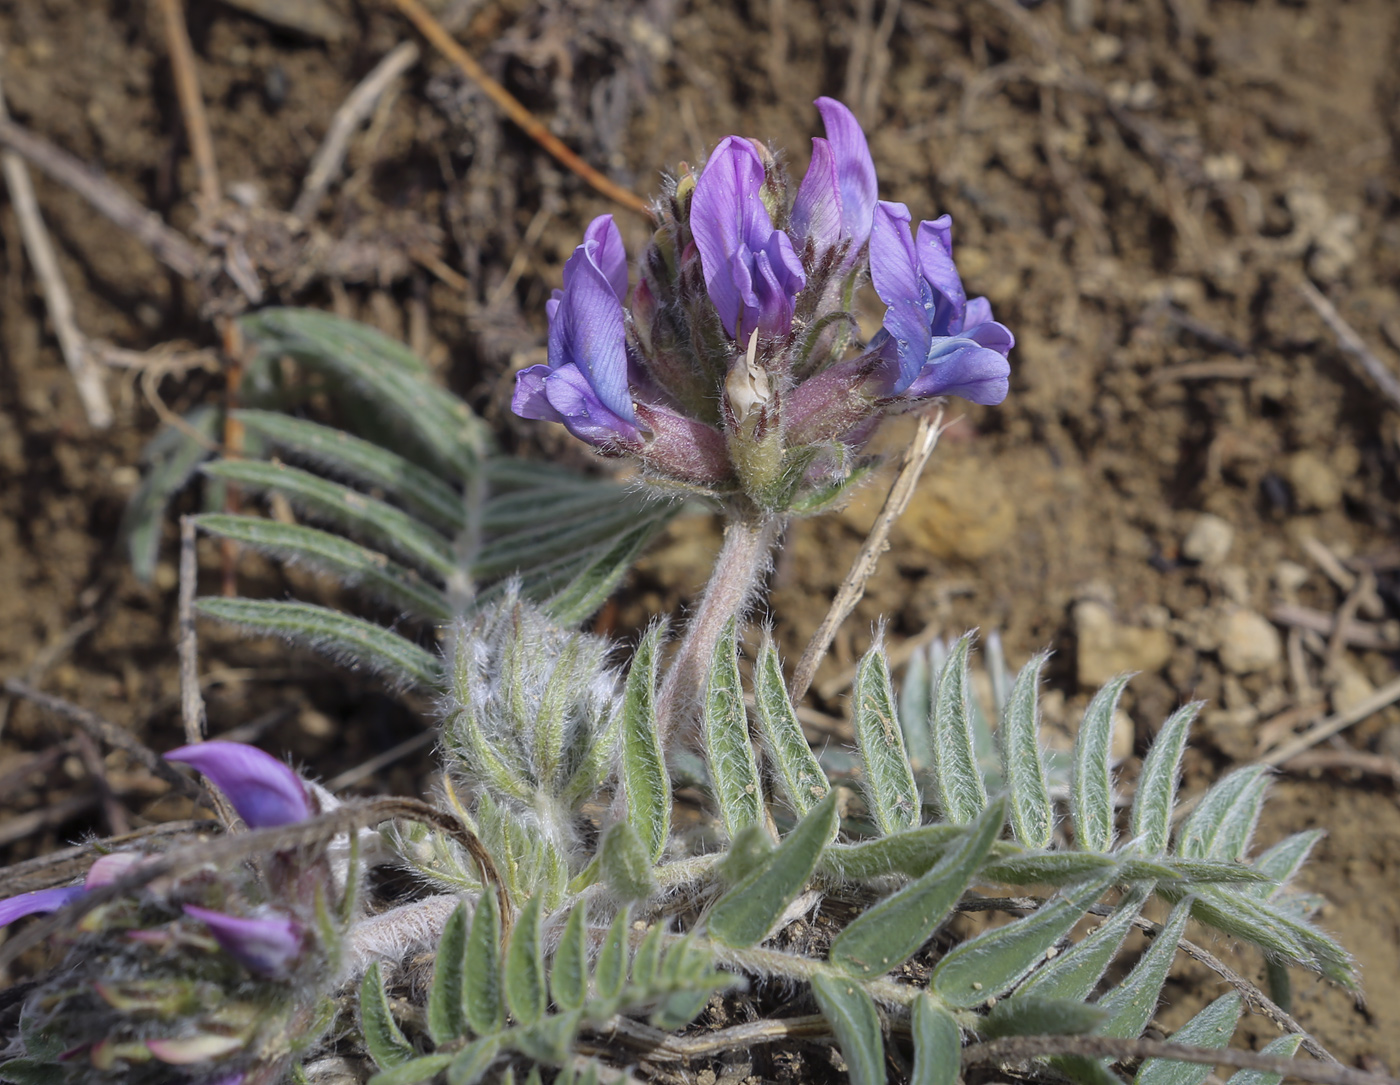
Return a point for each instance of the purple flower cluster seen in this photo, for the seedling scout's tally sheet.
(735, 370)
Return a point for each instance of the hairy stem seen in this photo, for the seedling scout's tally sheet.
(742, 561)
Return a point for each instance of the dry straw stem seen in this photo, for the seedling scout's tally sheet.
(853, 587)
(353, 112)
(61, 867)
(1380, 373)
(532, 126)
(227, 850)
(87, 377)
(182, 67)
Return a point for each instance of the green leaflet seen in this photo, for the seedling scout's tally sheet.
(1156, 788)
(1224, 819)
(1075, 972)
(381, 372)
(911, 852)
(851, 1014)
(1283, 860)
(610, 973)
(333, 450)
(644, 776)
(171, 458)
(937, 1043)
(889, 933)
(729, 753)
(1032, 815)
(1315, 950)
(646, 962)
(1051, 868)
(349, 563)
(987, 965)
(470, 1064)
(889, 780)
(624, 865)
(916, 710)
(447, 1015)
(748, 910)
(1034, 1015)
(1212, 1027)
(568, 978)
(524, 972)
(27, 1071)
(482, 998)
(604, 565)
(804, 784)
(353, 642)
(1204, 871)
(413, 1072)
(961, 793)
(388, 528)
(1285, 1047)
(1091, 792)
(1130, 1005)
(383, 1037)
(550, 1038)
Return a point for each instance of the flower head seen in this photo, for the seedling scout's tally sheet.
(267, 947)
(584, 384)
(263, 790)
(836, 200)
(938, 342)
(751, 271)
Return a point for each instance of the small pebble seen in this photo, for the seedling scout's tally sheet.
(1248, 642)
(1209, 540)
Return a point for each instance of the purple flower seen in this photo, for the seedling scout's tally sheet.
(40, 901)
(263, 790)
(584, 384)
(836, 201)
(939, 343)
(751, 271)
(267, 947)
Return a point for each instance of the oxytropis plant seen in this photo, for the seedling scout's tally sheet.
(567, 925)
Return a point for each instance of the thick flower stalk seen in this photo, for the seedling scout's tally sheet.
(736, 372)
(208, 975)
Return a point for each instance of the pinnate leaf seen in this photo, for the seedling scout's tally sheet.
(852, 1016)
(733, 769)
(1091, 794)
(1212, 1027)
(1023, 768)
(961, 792)
(889, 778)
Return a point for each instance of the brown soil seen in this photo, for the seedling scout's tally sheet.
(1136, 186)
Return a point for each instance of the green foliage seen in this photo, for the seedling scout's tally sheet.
(729, 753)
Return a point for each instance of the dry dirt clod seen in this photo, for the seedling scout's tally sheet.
(1248, 641)
(1209, 540)
(1107, 647)
(1315, 485)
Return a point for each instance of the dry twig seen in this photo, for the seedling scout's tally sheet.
(853, 587)
(1379, 373)
(182, 67)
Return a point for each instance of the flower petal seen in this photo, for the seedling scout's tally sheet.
(529, 399)
(610, 255)
(188, 1050)
(960, 367)
(39, 901)
(588, 332)
(578, 406)
(816, 211)
(267, 947)
(855, 170)
(262, 789)
(894, 273)
(109, 868)
(934, 244)
(725, 212)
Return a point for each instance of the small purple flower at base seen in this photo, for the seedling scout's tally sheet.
(751, 272)
(39, 902)
(836, 201)
(263, 790)
(584, 384)
(267, 947)
(935, 341)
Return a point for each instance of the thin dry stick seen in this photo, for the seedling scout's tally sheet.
(1383, 697)
(1341, 624)
(353, 112)
(1349, 341)
(660, 1046)
(110, 734)
(87, 377)
(1021, 1048)
(191, 700)
(49, 816)
(169, 247)
(118, 824)
(61, 867)
(182, 67)
(532, 126)
(853, 587)
(350, 777)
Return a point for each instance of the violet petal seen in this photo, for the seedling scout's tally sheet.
(855, 170)
(267, 947)
(610, 255)
(263, 790)
(961, 367)
(37, 902)
(934, 245)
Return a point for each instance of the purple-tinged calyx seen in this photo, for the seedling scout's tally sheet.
(584, 384)
(751, 272)
(836, 201)
(934, 341)
(267, 947)
(263, 790)
(38, 902)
